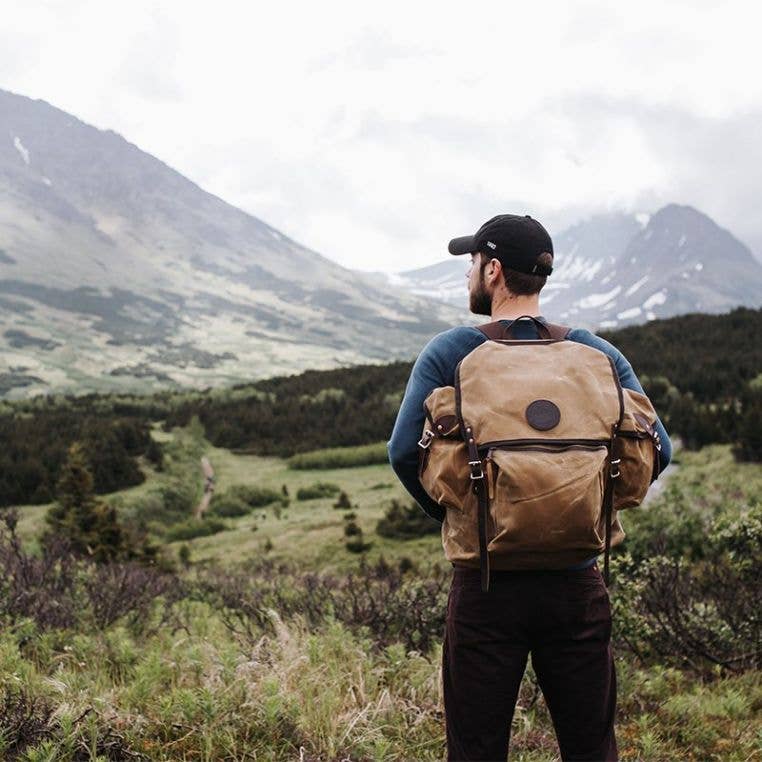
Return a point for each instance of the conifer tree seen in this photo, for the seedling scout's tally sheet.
(88, 525)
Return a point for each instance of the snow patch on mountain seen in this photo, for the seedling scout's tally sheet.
(655, 299)
(627, 314)
(635, 286)
(598, 300)
(19, 146)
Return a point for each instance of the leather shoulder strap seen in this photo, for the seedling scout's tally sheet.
(498, 331)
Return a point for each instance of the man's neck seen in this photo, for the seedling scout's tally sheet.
(510, 309)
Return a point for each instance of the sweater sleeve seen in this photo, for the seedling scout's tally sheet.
(629, 380)
(434, 367)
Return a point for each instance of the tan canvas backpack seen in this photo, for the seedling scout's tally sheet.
(533, 451)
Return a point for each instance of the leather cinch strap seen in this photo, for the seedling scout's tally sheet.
(477, 479)
(608, 502)
(480, 489)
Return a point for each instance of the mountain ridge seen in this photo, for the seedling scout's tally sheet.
(618, 269)
(115, 270)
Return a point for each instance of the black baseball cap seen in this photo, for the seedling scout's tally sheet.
(516, 240)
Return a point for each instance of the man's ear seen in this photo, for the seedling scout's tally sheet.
(494, 269)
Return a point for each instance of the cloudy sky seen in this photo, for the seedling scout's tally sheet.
(375, 134)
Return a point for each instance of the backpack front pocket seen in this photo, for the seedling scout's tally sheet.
(546, 498)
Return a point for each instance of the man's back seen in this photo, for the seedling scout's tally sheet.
(435, 367)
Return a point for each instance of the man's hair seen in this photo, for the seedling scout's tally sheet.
(523, 284)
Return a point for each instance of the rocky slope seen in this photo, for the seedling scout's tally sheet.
(116, 272)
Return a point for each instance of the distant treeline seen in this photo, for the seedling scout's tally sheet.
(36, 448)
(712, 357)
(704, 373)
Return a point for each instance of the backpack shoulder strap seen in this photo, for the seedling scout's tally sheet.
(499, 331)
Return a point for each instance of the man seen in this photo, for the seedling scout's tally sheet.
(562, 618)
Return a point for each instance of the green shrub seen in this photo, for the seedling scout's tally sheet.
(255, 497)
(700, 614)
(187, 530)
(230, 507)
(184, 554)
(406, 521)
(343, 503)
(340, 457)
(674, 525)
(317, 490)
(167, 504)
(749, 433)
(358, 545)
(352, 529)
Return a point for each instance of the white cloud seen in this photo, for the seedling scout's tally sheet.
(375, 134)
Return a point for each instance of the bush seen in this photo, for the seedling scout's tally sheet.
(343, 503)
(56, 590)
(230, 507)
(392, 606)
(351, 528)
(317, 490)
(406, 521)
(674, 525)
(340, 457)
(358, 545)
(255, 497)
(187, 530)
(697, 614)
(167, 504)
(749, 433)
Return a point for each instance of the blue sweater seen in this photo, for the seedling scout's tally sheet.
(435, 367)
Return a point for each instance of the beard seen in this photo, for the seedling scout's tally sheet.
(479, 301)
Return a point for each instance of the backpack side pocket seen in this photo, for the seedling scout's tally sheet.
(637, 447)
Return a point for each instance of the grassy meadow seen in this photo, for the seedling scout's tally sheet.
(270, 640)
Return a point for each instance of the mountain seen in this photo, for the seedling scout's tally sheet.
(116, 272)
(617, 269)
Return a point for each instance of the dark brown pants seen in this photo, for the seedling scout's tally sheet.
(563, 619)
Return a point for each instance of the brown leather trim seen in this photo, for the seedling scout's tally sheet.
(446, 425)
(499, 331)
(558, 332)
(619, 391)
(644, 422)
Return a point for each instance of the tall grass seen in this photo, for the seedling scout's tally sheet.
(284, 662)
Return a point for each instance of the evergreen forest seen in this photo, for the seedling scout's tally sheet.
(703, 373)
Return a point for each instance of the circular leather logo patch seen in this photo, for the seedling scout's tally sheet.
(542, 415)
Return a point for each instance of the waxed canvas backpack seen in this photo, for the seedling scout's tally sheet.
(533, 451)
